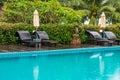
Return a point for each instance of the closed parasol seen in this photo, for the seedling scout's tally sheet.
(36, 19)
(102, 21)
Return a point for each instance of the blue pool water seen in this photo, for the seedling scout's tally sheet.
(87, 65)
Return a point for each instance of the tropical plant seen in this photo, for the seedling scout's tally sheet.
(96, 7)
(115, 16)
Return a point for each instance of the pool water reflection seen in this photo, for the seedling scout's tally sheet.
(79, 66)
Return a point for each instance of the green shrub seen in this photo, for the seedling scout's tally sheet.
(50, 12)
(59, 32)
(8, 30)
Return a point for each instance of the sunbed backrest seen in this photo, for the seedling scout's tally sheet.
(24, 35)
(110, 35)
(96, 35)
(43, 35)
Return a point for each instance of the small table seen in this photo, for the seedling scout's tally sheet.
(37, 42)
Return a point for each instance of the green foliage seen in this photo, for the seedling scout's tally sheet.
(57, 21)
(95, 8)
(19, 12)
(50, 12)
(2, 3)
(7, 32)
(59, 32)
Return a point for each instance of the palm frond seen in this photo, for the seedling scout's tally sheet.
(107, 8)
(116, 15)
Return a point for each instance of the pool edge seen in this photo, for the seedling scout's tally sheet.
(56, 52)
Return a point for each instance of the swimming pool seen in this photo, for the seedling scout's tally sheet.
(67, 64)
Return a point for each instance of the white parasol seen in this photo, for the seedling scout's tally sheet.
(36, 19)
(102, 21)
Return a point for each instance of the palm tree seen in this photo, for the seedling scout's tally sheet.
(115, 16)
(96, 7)
(71, 3)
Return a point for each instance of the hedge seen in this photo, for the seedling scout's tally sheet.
(59, 32)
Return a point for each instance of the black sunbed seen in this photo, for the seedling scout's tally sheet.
(25, 37)
(111, 36)
(45, 39)
(96, 38)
